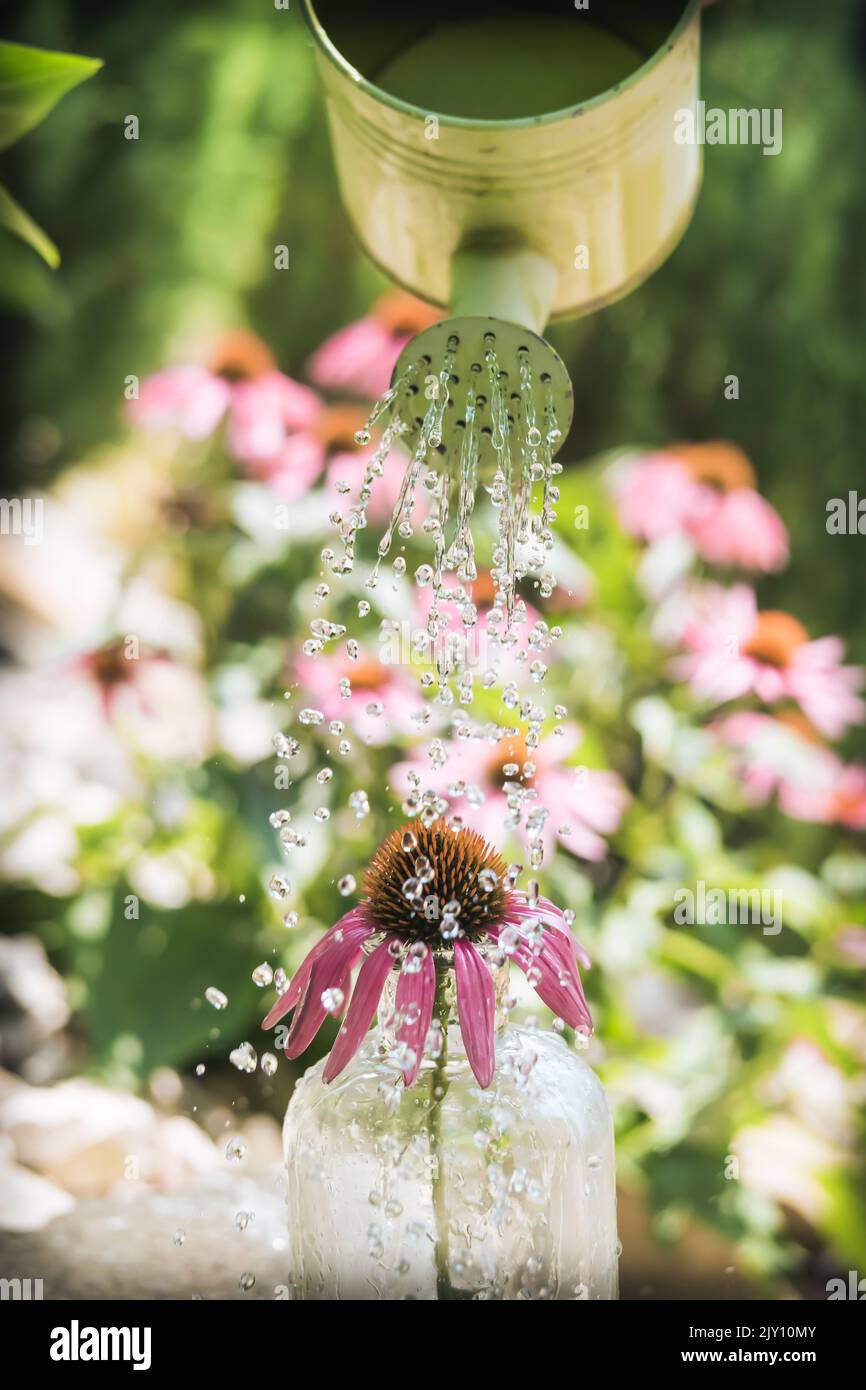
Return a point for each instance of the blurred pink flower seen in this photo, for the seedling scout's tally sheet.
(159, 703)
(850, 941)
(733, 650)
(707, 492)
(361, 358)
(785, 756)
(264, 407)
(483, 784)
(843, 803)
(480, 643)
(304, 455)
(372, 683)
(116, 672)
(349, 468)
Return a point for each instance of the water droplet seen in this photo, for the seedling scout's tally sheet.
(216, 997)
(311, 717)
(285, 747)
(244, 1057)
(333, 1000)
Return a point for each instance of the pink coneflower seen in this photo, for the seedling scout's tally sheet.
(498, 786)
(476, 916)
(381, 698)
(733, 649)
(707, 492)
(837, 798)
(304, 456)
(113, 668)
(156, 701)
(485, 643)
(348, 469)
(785, 756)
(240, 381)
(361, 358)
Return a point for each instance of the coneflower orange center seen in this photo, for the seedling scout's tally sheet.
(720, 465)
(450, 867)
(241, 356)
(775, 638)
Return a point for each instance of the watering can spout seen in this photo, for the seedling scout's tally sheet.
(514, 283)
(541, 180)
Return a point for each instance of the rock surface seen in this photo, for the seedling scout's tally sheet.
(161, 1245)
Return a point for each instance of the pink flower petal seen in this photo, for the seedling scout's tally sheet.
(559, 985)
(358, 358)
(741, 528)
(190, 399)
(416, 990)
(264, 410)
(475, 1006)
(365, 1001)
(552, 916)
(329, 972)
(352, 925)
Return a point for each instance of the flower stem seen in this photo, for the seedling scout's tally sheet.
(438, 1089)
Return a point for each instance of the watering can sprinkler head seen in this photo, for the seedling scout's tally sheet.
(499, 303)
(514, 163)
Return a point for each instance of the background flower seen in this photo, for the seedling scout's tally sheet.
(174, 537)
(708, 493)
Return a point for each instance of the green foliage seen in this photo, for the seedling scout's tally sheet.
(168, 240)
(32, 81)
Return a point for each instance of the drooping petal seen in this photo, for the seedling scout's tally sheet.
(554, 973)
(518, 909)
(328, 972)
(476, 1007)
(352, 925)
(555, 987)
(365, 1001)
(415, 994)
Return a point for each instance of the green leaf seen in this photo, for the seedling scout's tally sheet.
(16, 220)
(150, 977)
(32, 81)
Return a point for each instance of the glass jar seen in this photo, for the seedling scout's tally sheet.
(443, 1190)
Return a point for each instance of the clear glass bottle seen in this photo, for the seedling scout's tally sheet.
(446, 1191)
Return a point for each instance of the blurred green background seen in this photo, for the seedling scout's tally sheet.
(170, 237)
(162, 235)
